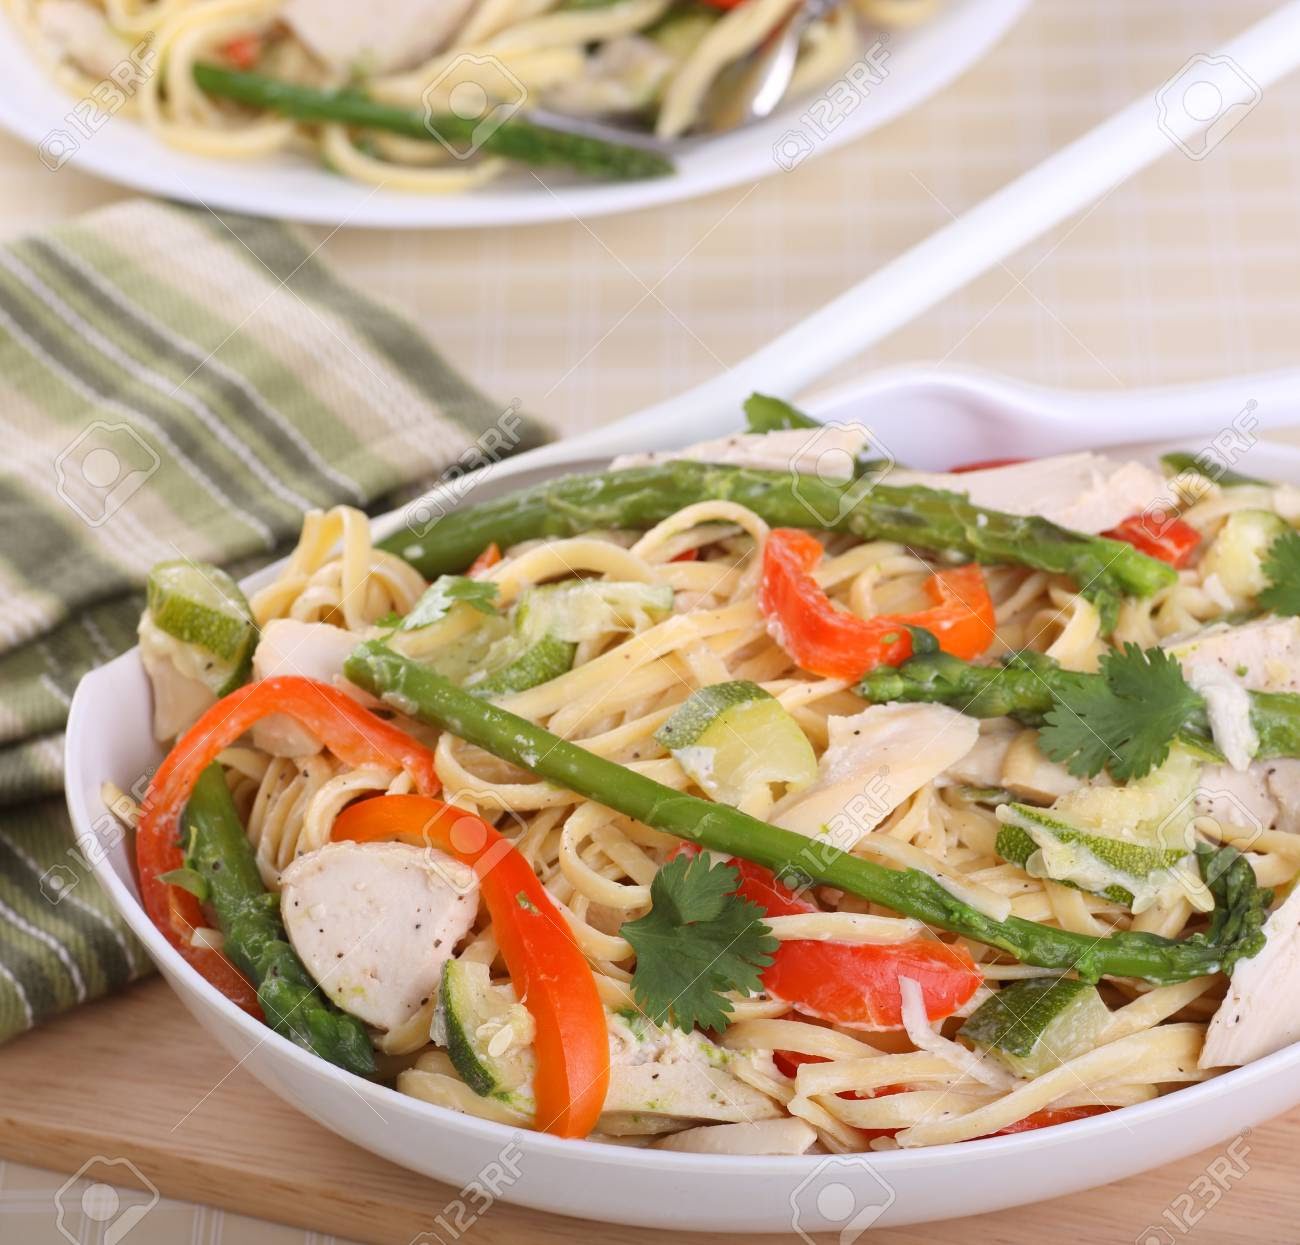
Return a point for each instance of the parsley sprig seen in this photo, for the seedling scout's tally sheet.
(698, 941)
(1282, 566)
(1125, 719)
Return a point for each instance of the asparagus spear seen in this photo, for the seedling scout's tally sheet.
(422, 693)
(218, 851)
(639, 497)
(1027, 685)
(1179, 461)
(514, 138)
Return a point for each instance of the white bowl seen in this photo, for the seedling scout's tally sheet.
(927, 419)
(289, 187)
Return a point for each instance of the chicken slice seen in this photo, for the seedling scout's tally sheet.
(1261, 656)
(666, 1074)
(1030, 775)
(1259, 1014)
(180, 696)
(982, 765)
(376, 37)
(1266, 796)
(310, 650)
(1084, 492)
(875, 760)
(83, 36)
(375, 922)
(1224, 664)
(829, 452)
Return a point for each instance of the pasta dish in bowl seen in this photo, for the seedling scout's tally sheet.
(713, 804)
(759, 803)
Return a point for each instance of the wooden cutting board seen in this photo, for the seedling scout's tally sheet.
(115, 1078)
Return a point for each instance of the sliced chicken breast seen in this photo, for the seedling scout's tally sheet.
(661, 1072)
(1259, 1014)
(1084, 492)
(829, 452)
(82, 34)
(310, 650)
(1261, 656)
(375, 922)
(379, 36)
(875, 760)
(1225, 663)
(1266, 796)
(982, 765)
(1030, 775)
(180, 696)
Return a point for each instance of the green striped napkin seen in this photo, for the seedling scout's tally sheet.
(172, 381)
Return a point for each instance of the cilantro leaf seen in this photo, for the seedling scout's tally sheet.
(698, 940)
(1123, 720)
(1282, 566)
(446, 591)
(767, 414)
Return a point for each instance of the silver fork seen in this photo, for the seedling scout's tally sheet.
(747, 91)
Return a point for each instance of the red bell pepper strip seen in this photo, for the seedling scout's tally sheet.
(987, 464)
(828, 641)
(351, 732)
(243, 51)
(1046, 1118)
(850, 984)
(485, 561)
(548, 970)
(856, 984)
(1170, 539)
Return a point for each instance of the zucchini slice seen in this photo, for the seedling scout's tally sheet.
(487, 1032)
(1127, 872)
(585, 609)
(729, 737)
(1237, 554)
(200, 605)
(510, 669)
(1035, 1025)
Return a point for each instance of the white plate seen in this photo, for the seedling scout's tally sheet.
(927, 419)
(291, 187)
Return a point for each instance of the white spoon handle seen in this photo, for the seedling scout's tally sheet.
(1002, 224)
